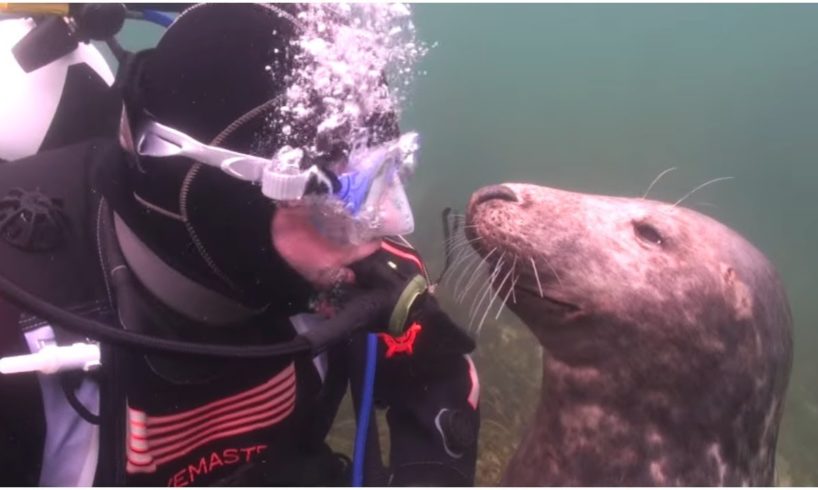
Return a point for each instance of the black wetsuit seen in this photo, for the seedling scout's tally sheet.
(176, 420)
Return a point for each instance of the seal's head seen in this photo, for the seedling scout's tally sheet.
(668, 338)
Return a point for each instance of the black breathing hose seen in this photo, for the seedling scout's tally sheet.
(358, 313)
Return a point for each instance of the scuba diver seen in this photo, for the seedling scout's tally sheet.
(174, 310)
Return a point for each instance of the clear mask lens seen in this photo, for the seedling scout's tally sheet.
(372, 202)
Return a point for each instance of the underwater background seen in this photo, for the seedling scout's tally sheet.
(601, 99)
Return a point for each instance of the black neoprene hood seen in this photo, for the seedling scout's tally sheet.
(215, 63)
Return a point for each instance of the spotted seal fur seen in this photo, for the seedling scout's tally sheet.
(667, 339)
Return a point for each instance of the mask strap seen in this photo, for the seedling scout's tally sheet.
(281, 186)
(157, 140)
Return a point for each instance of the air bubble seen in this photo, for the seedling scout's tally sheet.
(341, 58)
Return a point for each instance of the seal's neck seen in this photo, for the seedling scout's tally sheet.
(579, 437)
(596, 427)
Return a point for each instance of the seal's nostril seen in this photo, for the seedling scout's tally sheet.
(494, 192)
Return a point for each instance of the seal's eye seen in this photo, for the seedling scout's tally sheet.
(648, 233)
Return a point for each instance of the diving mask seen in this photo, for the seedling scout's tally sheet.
(362, 201)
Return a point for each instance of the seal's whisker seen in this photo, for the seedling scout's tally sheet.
(553, 270)
(460, 250)
(699, 187)
(505, 298)
(475, 304)
(499, 263)
(657, 180)
(478, 267)
(706, 204)
(461, 259)
(474, 307)
(454, 240)
(494, 271)
(463, 250)
(455, 261)
(466, 266)
(445, 278)
(457, 234)
(536, 275)
(514, 285)
(461, 245)
(474, 273)
(451, 243)
(494, 298)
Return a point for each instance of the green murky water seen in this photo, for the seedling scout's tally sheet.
(601, 98)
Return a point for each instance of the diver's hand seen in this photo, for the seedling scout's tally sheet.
(321, 262)
(375, 274)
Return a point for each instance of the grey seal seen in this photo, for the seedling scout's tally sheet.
(667, 337)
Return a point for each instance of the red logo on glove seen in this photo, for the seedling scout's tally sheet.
(404, 343)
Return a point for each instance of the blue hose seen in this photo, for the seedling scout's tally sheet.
(365, 411)
(157, 17)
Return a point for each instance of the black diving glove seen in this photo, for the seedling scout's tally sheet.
(388, 297)
(403, 291)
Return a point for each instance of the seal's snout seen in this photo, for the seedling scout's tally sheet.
(493, 192)
(486, 210)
